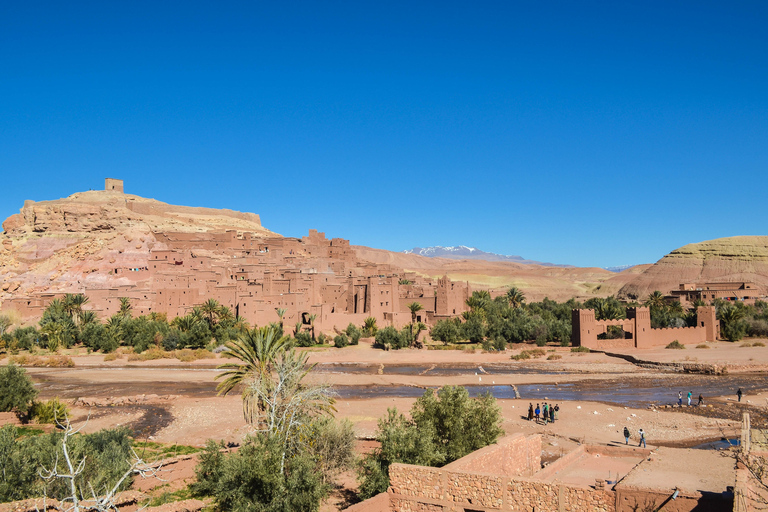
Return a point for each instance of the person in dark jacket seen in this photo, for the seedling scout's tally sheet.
(626, 435)
(530, 412)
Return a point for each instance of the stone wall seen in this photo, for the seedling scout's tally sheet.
(491, 479)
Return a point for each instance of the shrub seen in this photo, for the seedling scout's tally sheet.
(303, 339)
(251, 478)
(322, 339)
(703, 345)
(554, 357)
(49, 411)
(522, 356)
(389, 336)
(500, 343)
(107, 454)
(675, 345)
(340, 341)
(110, 357)
(444, 426)
(446, 331)
(16, 390)
(580, 349)
(758, 344)
(354, 334)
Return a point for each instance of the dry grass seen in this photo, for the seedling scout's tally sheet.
(554, 357)
(110, 357)
(703, 345)
(527, 354)
(43, 362)
(753, 344)
(185, 355)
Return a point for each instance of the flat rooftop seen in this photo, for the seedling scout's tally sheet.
(687, 469)
(591, 464)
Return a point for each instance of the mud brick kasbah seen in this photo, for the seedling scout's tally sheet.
(254, 275)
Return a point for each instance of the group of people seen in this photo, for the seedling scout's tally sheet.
(640, 432)
(690, 396)
(549, 413)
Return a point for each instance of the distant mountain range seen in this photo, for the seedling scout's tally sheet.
(618, 269)
(462, 252)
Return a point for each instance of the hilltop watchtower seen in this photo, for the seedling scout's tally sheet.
(113, 185)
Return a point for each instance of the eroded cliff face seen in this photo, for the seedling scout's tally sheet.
(61, 245)
(737, 258)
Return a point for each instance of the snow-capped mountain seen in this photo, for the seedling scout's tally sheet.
(462, 252)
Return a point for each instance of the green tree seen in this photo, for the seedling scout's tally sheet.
(414, 308)
(446, 331)
(443, 427)
(210, 310)
(369, 326)
(515, 297)
(125, 306)
(16, 389)
(312, 318)
(73, 304)
(257, 350)
(656, 300)
(280, 314)
(733, 326)
(251, 480)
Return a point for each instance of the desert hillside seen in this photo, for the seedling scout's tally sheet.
(737, 258)
(537, 281)
(60, 245)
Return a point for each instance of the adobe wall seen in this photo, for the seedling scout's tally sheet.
(585, 329)
(514, 455)
(379, 503)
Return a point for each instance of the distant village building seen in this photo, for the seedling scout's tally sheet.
(256, 275)
(708, 292)
(113, 185)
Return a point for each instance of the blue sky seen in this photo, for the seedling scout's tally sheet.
(589, 133)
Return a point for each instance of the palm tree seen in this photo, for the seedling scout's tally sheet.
(369, 326)
(516, 297)
(312, 324)
(478, 300)
(125, 306)
(184, 323)
(87, 317)
(415, 307)
(210, 310)
(297, 328)
(280, 314)
(257, 349)
(656, 300)
(73, 304)
(225, 314)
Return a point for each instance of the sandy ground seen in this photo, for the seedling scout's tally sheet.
(191, 413)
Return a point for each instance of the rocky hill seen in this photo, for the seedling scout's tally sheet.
(56, 245)
(737, 258)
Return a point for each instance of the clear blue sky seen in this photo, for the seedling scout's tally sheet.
(589, 133)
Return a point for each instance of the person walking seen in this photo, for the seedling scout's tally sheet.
(701, 400)
(530, 412)
(551, 414)
(680, 398)
(545, 411)
(690, 394)
(626, 435)
(538, 411)
(557, 412)
(642, 438)
(739, 393)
